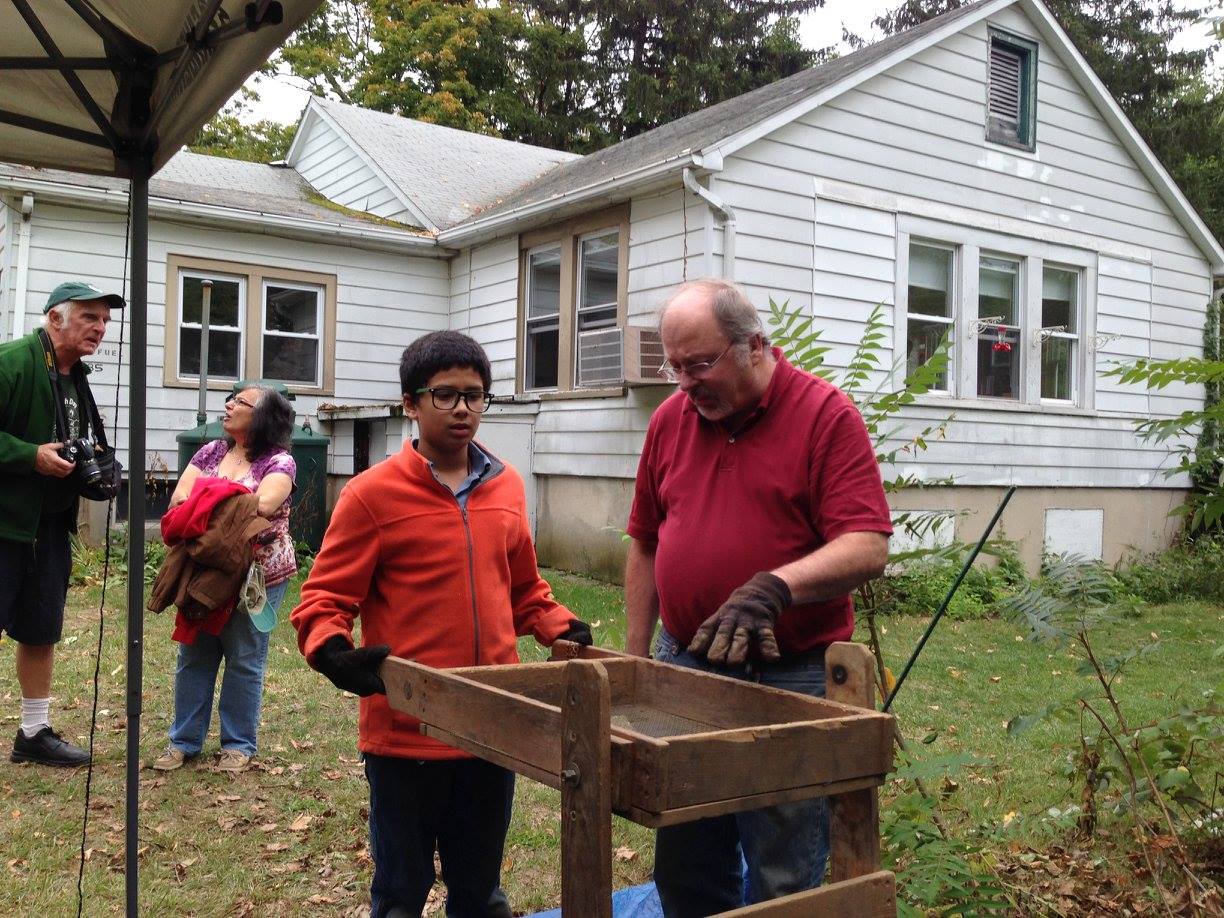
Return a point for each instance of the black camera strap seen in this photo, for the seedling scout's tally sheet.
(84, 397)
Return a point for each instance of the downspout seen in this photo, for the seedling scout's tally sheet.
(725, 212)
(23, 265)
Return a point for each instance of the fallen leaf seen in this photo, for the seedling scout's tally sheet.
(624, 854)
(277, 846)
(996, 678)
(268, 827)
(301, 823)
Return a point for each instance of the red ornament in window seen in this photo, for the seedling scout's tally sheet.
(1001, 343)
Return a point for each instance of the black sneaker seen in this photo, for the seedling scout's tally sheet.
(47, 748)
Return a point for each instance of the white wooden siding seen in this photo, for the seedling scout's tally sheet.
(337, 171)
(917, 132)
(384, 301)
(484, 303)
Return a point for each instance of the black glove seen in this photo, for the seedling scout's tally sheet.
(353, 670)
(748, 615)
(579, 632)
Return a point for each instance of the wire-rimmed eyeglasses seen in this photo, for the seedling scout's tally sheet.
(445, 398)
(672, 373)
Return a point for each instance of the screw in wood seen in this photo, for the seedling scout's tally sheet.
(839, 674)
(572, 777)
(407, 690)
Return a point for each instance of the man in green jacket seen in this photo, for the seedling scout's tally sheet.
(38, 499)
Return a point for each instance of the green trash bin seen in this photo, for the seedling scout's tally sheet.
(308, 514)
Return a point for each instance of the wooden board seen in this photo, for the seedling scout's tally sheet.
(871, 896)
(586, 799)
(855, 817)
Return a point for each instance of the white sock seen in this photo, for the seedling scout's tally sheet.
(35, 714)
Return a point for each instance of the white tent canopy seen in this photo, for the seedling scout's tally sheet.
(86, 84)
(116, 87)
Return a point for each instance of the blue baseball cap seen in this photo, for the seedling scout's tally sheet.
(81, 290)
(265, 619)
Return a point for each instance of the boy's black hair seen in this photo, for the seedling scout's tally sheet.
(438, 351)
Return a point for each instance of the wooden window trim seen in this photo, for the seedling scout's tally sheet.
(252, 349)
(567, 234)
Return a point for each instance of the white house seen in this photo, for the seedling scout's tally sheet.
(971, 174)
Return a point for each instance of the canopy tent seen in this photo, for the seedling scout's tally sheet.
(116, 87)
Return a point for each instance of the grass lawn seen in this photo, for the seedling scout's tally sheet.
(289, 837)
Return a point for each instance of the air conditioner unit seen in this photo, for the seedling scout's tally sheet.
(599, 357)
(620, 356)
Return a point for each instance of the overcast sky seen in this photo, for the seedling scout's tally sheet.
(282, 98)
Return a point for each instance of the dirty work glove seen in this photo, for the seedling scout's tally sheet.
(748, 615)
(579, 632)
(353, 670)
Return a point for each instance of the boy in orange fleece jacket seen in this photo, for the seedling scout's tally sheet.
(432, 549)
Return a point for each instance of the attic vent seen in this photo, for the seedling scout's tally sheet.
(1011, 91)
(1005, 81)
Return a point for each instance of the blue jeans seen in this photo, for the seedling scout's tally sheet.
(462, 808)
(700, 866)
(245, 651)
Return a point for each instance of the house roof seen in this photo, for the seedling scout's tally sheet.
(448, 174)
(212, 180)
(706, 128)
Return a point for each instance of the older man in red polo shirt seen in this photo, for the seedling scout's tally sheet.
(758, 508)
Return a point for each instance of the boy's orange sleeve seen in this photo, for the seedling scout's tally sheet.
(536, 611)
(340, 579)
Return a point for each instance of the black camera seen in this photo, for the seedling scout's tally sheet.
(81, 453)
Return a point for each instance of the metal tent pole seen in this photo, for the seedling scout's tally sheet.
(138, 315)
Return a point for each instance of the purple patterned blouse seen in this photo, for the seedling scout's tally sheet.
(275, 551)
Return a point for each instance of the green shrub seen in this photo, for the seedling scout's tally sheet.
(920, 586)
(1190, 570)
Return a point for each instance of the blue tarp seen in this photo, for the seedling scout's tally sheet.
(634, 902)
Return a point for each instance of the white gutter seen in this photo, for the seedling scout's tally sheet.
(480, 229)
(114, 199)
(23, 265)
(725, 211)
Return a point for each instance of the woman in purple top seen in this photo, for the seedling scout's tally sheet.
(258, 425)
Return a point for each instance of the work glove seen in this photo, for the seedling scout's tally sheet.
(354, 670)
(748, 615)
(579, 632)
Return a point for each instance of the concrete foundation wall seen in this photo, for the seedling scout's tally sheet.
(580, 520)
(579, 524)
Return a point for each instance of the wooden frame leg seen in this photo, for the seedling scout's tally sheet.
(854, 833)
(586, 792)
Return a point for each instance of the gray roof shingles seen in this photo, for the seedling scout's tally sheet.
(213, 180)
(449, 174)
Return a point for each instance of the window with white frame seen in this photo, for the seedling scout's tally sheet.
(574, 292)
(930, 288)
(1015, 311)
(292, 332)
(226, 321)
(543, 297)
(998, 328)
(264, 323)
(1059, 333)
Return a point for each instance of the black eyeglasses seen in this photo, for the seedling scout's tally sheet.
(445, 398)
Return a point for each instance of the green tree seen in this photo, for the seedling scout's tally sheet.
(229, 136)
(570, 74)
